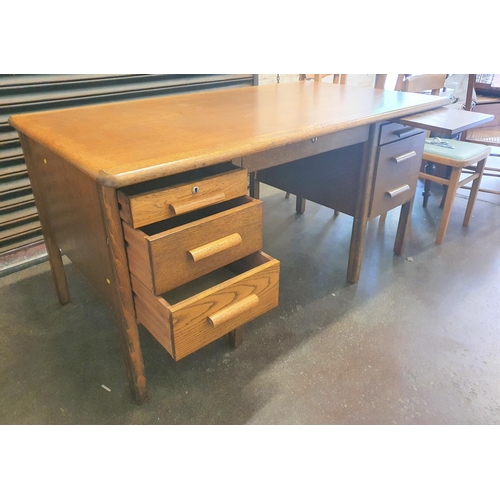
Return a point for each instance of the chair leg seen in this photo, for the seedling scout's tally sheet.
(445, 188)
(450, 198)
(473, 192)
(430, 169)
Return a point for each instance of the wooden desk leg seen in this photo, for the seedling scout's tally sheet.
(123, 299)
(57, 269)
(236, 337)
(300, 205)
(356, 249)
(403, 226)
(362, 206)
(254, 186)
(55, 258)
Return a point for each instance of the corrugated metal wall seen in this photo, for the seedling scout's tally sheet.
(19, 225)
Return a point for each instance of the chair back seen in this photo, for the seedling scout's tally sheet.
(423, 83)
(342, 79)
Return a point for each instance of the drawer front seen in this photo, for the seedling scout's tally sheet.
(303, 149)
(187, 326)
(170, 258)
(391, 132)
(397, 173)
(152, 206)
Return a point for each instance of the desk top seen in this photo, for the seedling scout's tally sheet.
(127, 142)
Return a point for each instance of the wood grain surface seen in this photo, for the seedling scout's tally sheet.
(192, 323)
(132, 141)
(165, 260)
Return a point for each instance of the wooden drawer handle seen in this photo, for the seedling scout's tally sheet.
(406, 156)
(233, 310)
(399, 190)
(182, 208)
(215, 247)
(406, 132)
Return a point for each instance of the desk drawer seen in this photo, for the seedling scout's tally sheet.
(397, 173)
(391, 132)
(187, 319)
(161, 199)
(170, 253)
(303, 149)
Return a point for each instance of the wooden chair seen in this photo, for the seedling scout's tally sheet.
(459, 157)
(488, 135)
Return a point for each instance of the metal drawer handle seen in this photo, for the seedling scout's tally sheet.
(399, 190)
(182, 208)
(215, 247)
(406, 132)
(406, 156)
(231, 311)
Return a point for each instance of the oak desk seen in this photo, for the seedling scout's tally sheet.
(87, 165)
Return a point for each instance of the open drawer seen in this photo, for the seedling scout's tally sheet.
(169, 253)
(192, 316)
(160, 199)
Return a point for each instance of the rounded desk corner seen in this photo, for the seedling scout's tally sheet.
(108, 180)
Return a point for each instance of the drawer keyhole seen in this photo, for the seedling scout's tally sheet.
(195, 190)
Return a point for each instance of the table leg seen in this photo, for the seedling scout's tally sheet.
(362, 206)
(57, 268)
(300, 205)
(403, 226)
(123, 298)
(236, 337)
(254, 186)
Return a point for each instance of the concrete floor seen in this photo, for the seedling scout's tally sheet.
(415, 341)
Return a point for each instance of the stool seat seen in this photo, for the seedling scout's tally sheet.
(460, 154)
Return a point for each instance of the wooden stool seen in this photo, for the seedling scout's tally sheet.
(462, 158)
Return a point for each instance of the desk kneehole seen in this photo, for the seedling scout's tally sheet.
(397, 171)
(190, 317)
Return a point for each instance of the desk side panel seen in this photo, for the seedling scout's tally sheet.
(72, 209)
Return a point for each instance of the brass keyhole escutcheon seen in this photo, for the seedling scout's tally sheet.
(195, 190)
